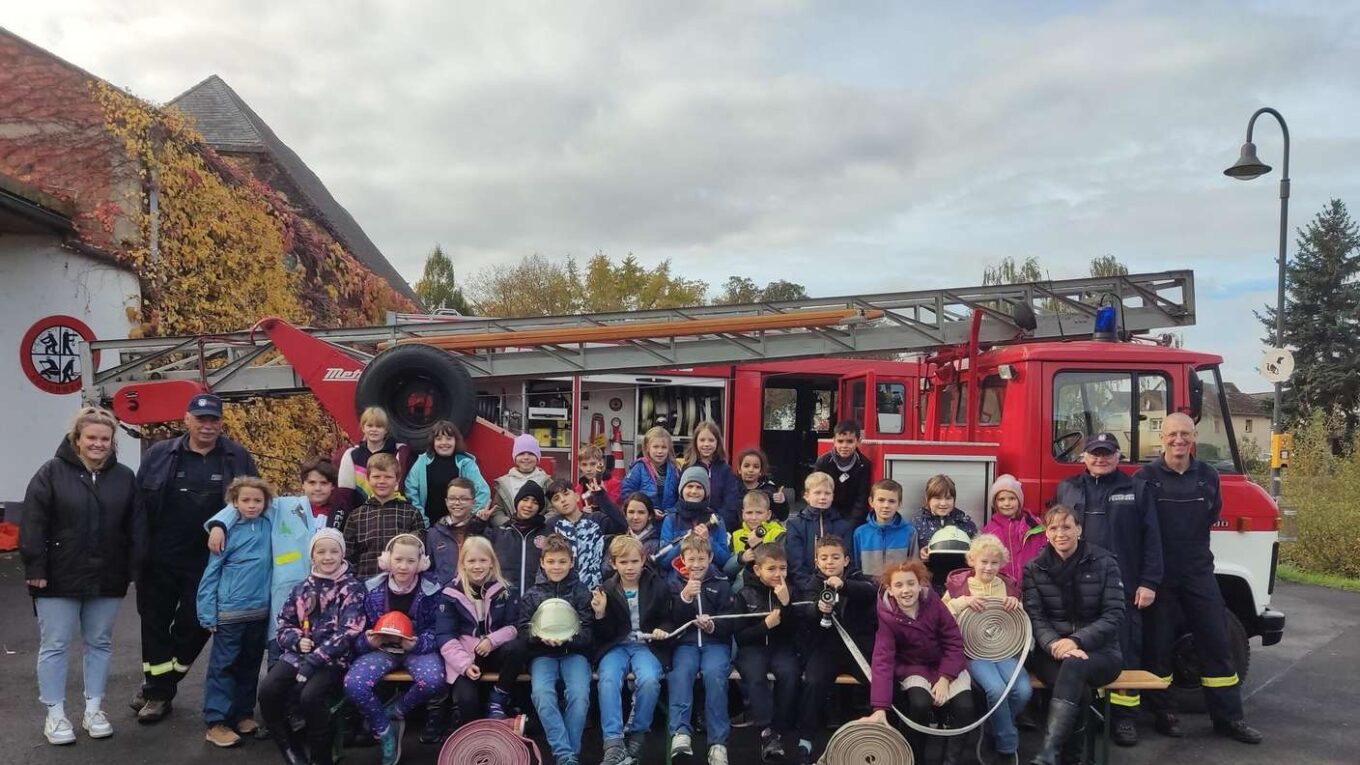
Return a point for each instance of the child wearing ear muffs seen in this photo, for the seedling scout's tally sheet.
(402, 587)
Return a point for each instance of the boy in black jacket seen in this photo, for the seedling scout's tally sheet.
(855, 607)
(700, 592)
(769, 644)
(632, 618)
(851, 471)
(552, 657)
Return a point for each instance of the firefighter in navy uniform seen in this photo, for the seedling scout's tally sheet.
(1116, 514)
(183, 481)
(1188, 502)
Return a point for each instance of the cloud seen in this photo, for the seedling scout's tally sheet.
(885, 148)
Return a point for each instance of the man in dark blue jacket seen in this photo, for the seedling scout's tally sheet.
(1116, 514)
(1188, 502)
(183, 482)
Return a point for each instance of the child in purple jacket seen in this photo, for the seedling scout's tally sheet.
(402, 587)
(318, 624)
(919, 663)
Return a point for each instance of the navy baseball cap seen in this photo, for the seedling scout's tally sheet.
(1102, 442)
(205, 405)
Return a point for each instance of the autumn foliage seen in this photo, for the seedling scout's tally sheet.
(228, 251)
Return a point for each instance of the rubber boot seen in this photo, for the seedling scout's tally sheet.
(292, 754)
(436, 719)
(1062, 718)
(953, 750)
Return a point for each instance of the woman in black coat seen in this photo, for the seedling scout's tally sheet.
(1075, 598)
(80, 533)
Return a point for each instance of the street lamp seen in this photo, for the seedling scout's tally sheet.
(1246, 168)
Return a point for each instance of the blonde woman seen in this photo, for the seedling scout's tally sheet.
(81, 539)
(476, 630)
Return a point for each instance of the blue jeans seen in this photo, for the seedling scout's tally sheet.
(991, 676)
(233, 672)
(58, 620)
(563, 730)
(646, 678)
(715, 661)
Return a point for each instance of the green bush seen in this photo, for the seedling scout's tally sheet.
(1324, 489)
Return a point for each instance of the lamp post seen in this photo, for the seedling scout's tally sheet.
(1246, 168)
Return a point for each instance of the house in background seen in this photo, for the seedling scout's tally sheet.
(69, 192)
(1250, 414)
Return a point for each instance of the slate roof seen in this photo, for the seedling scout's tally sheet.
(1245, 404)
(229, 125)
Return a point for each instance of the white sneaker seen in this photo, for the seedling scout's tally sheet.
(717, 754)
(96, 724)
(681, 745)
(59, 731)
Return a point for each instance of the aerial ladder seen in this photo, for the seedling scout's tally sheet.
(431, 361)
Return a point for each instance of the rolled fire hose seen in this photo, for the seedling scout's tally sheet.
(988, 632)
(858, 743)
(490, 742)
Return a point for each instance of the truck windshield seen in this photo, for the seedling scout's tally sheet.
(1215, 443)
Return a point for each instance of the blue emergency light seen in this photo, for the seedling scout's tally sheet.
(1106, 324)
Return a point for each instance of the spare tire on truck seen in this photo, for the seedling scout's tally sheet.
(418, 385)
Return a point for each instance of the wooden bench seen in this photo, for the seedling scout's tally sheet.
(1098, 751)
(402, 676)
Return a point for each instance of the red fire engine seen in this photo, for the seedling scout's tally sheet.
(984, 380)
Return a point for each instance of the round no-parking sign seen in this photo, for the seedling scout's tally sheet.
(49, 354)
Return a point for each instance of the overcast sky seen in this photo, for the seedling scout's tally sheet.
(851, 147)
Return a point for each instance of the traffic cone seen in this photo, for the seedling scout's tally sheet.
(616, 450)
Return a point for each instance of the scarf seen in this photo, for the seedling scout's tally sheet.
(1065, 575)
(690, 514)
(845, 465)
(340, 572)
(393, 588)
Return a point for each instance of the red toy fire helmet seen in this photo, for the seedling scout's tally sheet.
(394, 624)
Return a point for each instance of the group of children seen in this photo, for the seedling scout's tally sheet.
(678, 573)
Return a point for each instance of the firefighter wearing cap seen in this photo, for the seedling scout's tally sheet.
(1188, 502)
(182, 482)
(1116, 514)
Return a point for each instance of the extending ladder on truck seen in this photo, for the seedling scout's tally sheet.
(247, 364)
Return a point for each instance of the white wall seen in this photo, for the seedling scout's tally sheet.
(39, 278)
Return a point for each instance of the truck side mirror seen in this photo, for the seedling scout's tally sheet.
(1196, 397)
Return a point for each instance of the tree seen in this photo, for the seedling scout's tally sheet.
(1008, 271)
(537, 286)
(741, 289)
(1322, 320)
(630, 286)
(1108, 265)
(437, 288)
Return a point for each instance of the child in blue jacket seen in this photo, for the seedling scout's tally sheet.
(649, 472)
(233, 604)
(885, 537)
(445, 459)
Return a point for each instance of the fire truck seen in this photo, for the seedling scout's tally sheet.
(972, 382)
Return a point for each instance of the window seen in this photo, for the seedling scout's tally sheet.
(857, 401)
(944, 404)
(1214, 444)
(1246, 427)
(989, 404)
(961, 405)
(1086, 403)
(822, 407)
(780, 410)
(890, 406)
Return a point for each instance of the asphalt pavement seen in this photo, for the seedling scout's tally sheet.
(1303, 694)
